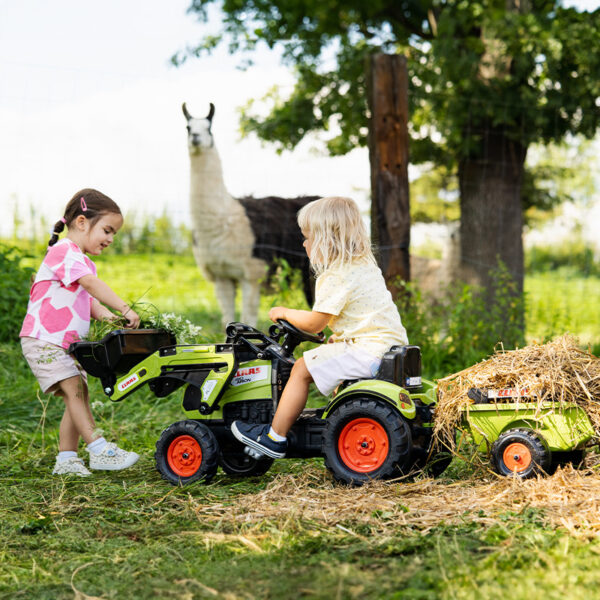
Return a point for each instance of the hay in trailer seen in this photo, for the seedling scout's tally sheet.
(558, 371)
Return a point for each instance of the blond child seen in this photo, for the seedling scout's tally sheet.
(351, 298)
(65, 295)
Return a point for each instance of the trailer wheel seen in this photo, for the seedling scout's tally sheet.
(366, 439)
(187, 451)
(234, 461)
(521, 452)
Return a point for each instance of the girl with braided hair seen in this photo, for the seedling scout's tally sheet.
(65, 295)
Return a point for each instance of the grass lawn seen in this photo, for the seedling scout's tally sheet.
(559, 302)
(291, 533)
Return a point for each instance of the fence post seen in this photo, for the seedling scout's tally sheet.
(388, 154)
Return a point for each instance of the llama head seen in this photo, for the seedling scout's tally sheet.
(199, 130)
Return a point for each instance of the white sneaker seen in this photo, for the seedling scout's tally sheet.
(112, 458)
(71, 466)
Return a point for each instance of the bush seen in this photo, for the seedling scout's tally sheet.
(461, 329)
(151, 234)
(15, 282)
(575, 256)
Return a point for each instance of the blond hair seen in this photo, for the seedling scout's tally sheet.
(337, 233)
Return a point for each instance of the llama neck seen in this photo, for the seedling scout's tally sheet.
(206, 179)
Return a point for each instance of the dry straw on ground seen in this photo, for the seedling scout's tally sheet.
(558, 371)
(569, 500)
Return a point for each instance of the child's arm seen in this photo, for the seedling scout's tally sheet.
(101, 313)
(307, 320)
(102, 292)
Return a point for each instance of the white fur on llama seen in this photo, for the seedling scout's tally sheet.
(222, 235)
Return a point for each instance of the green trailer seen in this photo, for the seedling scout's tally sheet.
(524, 435)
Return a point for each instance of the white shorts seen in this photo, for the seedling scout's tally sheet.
(50, 364)
(330, 364)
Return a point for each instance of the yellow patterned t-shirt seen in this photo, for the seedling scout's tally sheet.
(364, 313)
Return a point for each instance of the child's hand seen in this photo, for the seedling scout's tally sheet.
(276, 313)
(132, 318)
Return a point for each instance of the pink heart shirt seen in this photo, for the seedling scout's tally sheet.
(59, 309)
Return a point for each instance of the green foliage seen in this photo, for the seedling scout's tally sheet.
(557, 173)
(286, 285)
(434, 197)
(531, 72)
(461, 328)
(575, 257)
(15, 282)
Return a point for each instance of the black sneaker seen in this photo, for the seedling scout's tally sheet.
(257, 437)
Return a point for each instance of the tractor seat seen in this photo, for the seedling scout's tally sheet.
(400, 365)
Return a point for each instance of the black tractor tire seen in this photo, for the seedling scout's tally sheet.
(522, 452)
(366, 439)
(187, 451)
(234, 461)
(434, 461)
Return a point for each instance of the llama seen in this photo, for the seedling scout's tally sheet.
(236, 241)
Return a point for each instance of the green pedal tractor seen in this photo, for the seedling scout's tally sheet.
(377, 428)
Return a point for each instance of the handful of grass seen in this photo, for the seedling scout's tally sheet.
(151, 318)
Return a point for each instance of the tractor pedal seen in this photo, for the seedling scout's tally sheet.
(253, 453)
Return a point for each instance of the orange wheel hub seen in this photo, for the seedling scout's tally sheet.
(517, 457)
(363, 445)
(184, 455)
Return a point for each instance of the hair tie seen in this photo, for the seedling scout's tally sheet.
(83, 204)
(63, 220)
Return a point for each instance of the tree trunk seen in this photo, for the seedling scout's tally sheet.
(388, 154)
(491, 223)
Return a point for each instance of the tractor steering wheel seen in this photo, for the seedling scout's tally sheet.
(304, 336)
(292, 336)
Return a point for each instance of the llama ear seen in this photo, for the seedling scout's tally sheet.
(186, 114)
(211, 112)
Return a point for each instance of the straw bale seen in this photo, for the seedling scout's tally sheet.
(557, 371)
